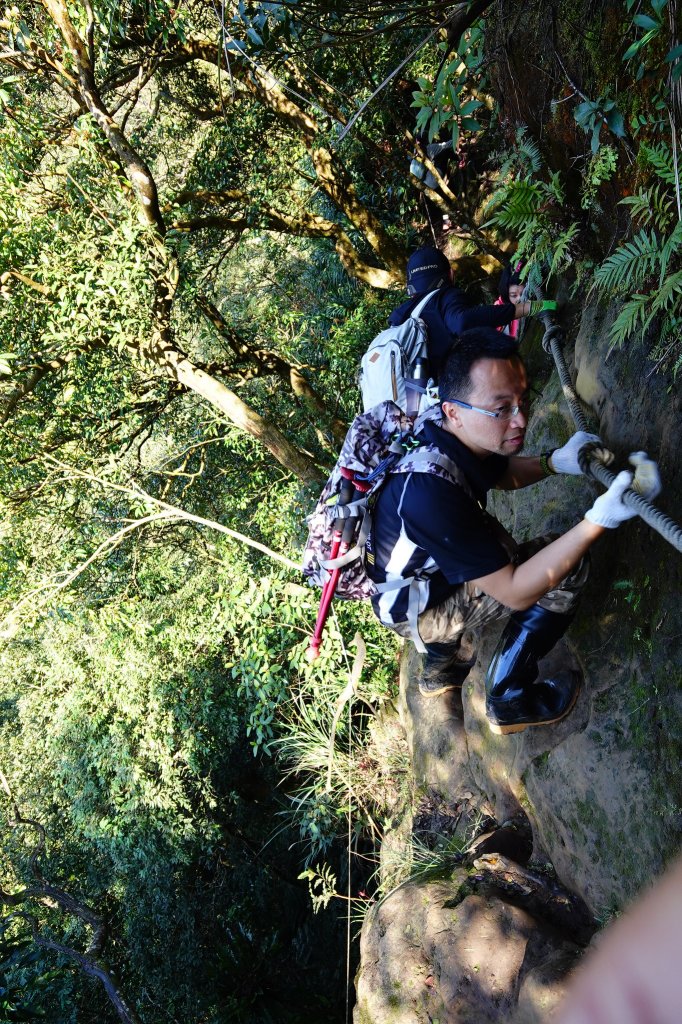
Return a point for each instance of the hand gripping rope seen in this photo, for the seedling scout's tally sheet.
(589, 458)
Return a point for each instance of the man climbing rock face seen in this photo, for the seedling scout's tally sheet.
(475, 572)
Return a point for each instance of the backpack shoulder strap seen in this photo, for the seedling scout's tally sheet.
(422, 303)
(430, 459)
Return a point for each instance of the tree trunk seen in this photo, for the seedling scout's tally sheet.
(175, 363)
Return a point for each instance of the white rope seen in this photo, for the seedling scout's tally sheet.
(392, 75)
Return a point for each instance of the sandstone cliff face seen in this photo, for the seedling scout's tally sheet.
(600, 792)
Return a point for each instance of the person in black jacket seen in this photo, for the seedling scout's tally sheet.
(450, 312)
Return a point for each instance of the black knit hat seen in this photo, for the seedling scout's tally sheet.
(427, 268)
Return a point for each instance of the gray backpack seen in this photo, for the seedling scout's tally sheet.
(386, 366)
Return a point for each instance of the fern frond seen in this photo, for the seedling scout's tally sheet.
(662, 208)
(521, 202)
(668, 294)
(554, 189)
(660, 157)
(640, 206)
(669, 248)
(651, 205)
(512, 219)
(527, 150)
(633, 313)
(630, 265)
(525, 241)
(494, 200)
(562, 246)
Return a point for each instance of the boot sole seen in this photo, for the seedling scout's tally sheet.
(506, 730)
(437, 693)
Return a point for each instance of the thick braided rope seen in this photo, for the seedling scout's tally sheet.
(590, 462)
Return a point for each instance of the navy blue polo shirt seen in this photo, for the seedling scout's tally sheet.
(446, 315)
(422, 521)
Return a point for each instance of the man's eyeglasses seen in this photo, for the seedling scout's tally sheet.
(505, 412)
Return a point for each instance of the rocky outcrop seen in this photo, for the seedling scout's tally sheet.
(427, 956)
(600, 792)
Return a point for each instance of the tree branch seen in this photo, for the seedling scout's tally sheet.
(265, 361)
(40, 369)
(304, 224)
(90, 962)
(134, 167)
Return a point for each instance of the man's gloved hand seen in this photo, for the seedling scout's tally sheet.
(565, 459)
(541, 306)
(647, 481)
(609, 510)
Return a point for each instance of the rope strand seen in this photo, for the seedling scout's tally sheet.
(593, 467)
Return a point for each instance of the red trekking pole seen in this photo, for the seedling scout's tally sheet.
(341, 541)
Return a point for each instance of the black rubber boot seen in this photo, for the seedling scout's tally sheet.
(515, 697)
(445, 667)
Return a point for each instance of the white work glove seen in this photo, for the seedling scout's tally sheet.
(647, 481)
(609, 510)
(565, 459)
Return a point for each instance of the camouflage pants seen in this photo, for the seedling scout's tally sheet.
(468, 609)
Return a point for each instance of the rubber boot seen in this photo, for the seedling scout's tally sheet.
(515, 697)
(445, 667)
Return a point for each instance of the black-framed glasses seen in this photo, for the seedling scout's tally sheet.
(505, 412)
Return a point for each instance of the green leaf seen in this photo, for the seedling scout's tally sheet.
(644, 21)
(633, 49)
(630, 265)
(595, 137)
(616, 123)
(632, 314)
(469, 107)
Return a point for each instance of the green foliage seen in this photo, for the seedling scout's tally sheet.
(648, 267)
(632, 591)
(600, 169)
(150, 704)
(531, 210)
(321, 885)
(445, 103)
(592, 115)
(660, 158)
(326, 747)
(653, 24)
(125, 727)
(6, 362)
(522, 159)
(651, 206)
(22, 979)
(630, 266)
